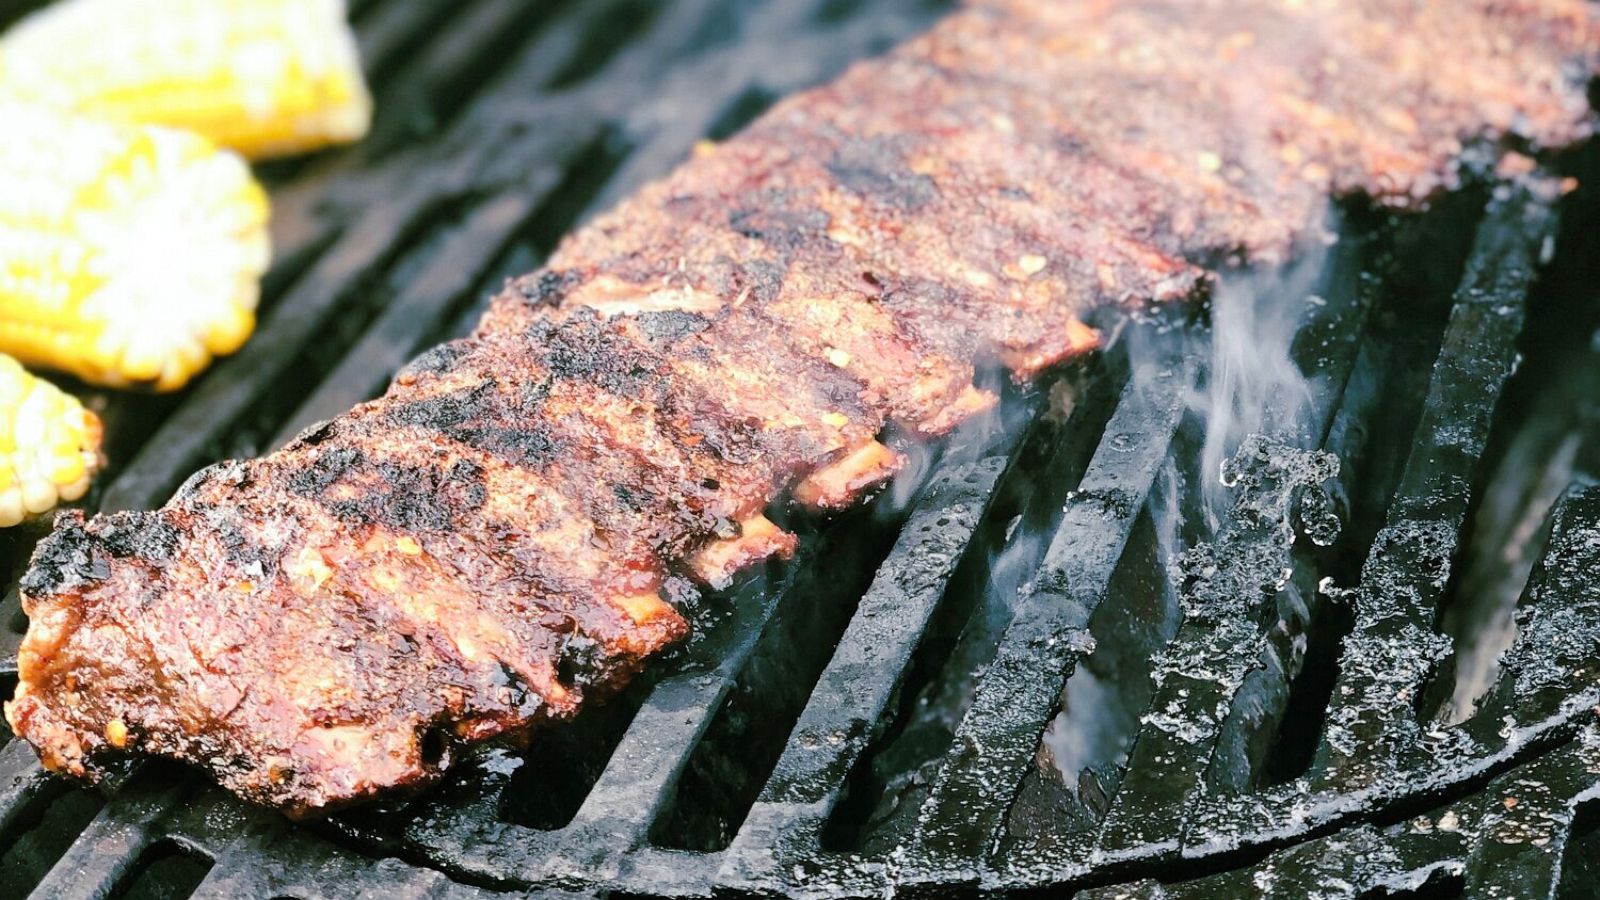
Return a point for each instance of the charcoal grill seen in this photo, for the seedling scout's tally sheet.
(869, 716)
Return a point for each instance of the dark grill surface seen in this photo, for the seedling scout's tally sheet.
(1255, 696)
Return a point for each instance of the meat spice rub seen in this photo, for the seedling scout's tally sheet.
(482, 549)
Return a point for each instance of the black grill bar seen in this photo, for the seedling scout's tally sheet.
(1394, 646)
(864, 676)
(24, 783)
(1550, 679)
(1218, 644)
(1510, 838)
(998, 737)
(110, 847)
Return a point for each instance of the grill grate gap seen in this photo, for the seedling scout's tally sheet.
(831, 11)
(1546, 435)
(1086, 745)
(882, 788)
(558, 771)
(574, 199)
(12, 10)
(745, 108)
(1441, 885)
(38, 835)
(626, 21)
(721, 28)
(727, 769)
(166, 869)
(1580, 861)
(437, 79)
(1294, 747)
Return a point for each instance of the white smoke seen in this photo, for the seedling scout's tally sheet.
(1239, 379)
(1250, 383)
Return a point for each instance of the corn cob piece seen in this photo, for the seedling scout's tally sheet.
(129, 255)
(263, 77)
(49, 445)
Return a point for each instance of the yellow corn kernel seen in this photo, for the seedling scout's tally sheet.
(263, 77)
(50, 447)
(129, 255)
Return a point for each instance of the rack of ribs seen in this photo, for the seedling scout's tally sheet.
(484, 548)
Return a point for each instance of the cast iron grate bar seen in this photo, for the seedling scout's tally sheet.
(1389, 654)
(1510, 838)
(1070, 588)
(999, 734)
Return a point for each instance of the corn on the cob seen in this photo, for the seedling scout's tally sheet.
(263, 77)
(49, 444)
(129, 255)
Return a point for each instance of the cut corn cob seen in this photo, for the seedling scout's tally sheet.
(129, 255)
(49, 444)
(263, 77)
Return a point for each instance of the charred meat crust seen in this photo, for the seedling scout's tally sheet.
(484, 548)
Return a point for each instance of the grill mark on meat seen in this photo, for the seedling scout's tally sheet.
(486, 547)
(435, 361)
(411, 498)
(622, 424)
(875, 168)
(64, 560)
(468, 415)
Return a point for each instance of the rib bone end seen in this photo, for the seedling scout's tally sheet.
(718, 562)
(840, 483)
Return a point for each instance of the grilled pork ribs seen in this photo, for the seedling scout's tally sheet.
(482, 549)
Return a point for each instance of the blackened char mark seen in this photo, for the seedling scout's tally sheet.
(435, 361)
(584, 348)
(323, 470)
(545, 288)
(242, 544)
(133, 535)
(774, 220)
(75, 554)
(488, 418)
(763, 278)
(633, 497)
(875, 168)
(416, 499)
(529, 447)
(64, 560)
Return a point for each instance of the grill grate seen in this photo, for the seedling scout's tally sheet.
(870, 714)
